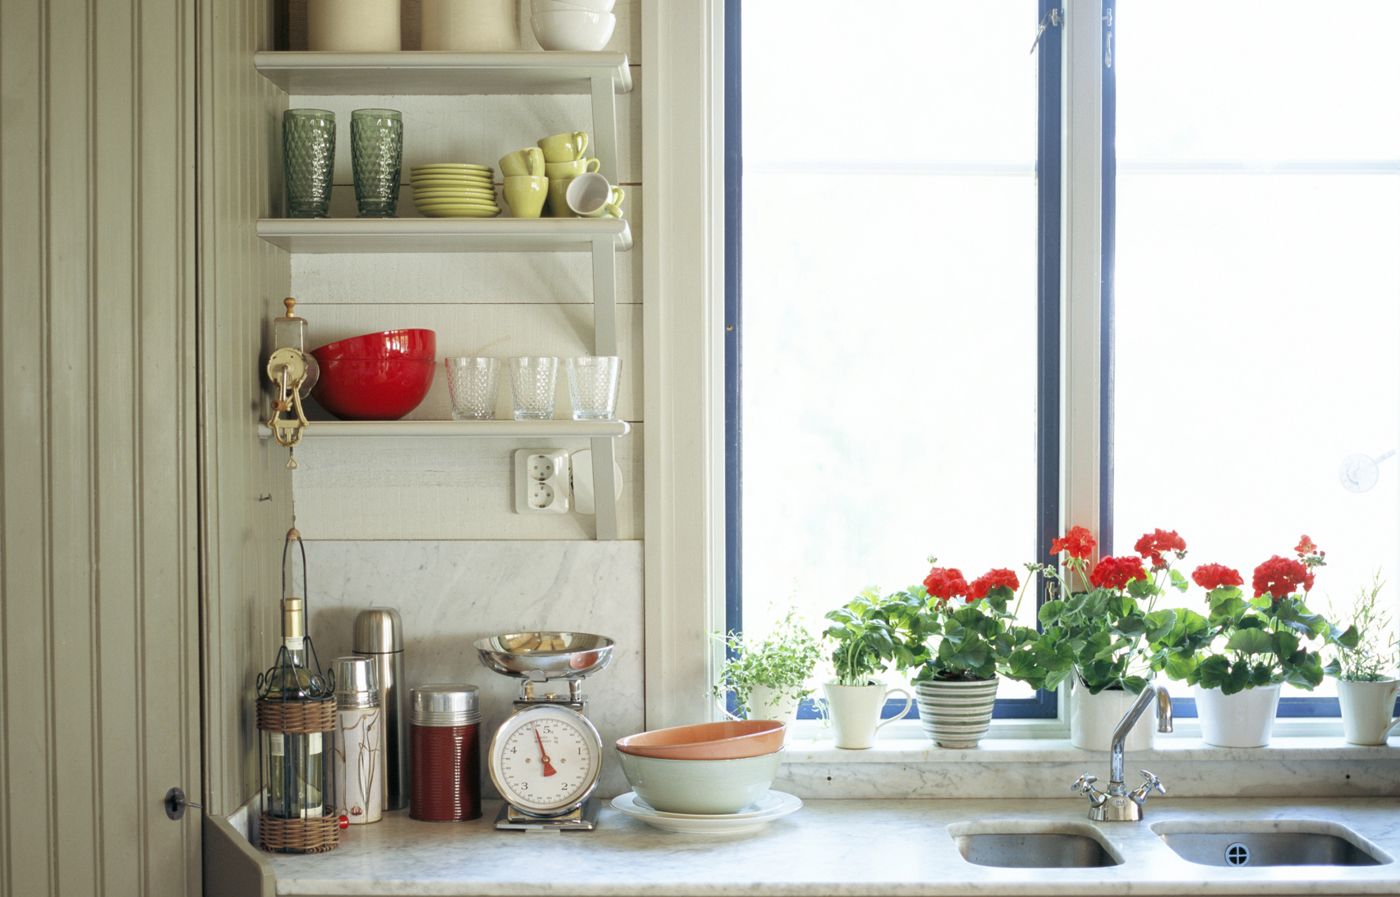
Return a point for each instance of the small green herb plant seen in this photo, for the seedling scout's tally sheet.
(1373, 654)
(783, 661)
(865, 633)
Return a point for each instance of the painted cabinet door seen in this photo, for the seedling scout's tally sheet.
(98, 504)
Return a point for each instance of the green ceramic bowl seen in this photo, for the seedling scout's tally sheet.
(707, 787)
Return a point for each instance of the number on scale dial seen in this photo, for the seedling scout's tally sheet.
(546, 759)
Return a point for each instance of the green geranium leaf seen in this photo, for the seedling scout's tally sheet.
(1250, 641)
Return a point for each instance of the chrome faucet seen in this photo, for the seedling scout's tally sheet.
(1118, 804)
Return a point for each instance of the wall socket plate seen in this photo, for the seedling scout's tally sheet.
(542, 481)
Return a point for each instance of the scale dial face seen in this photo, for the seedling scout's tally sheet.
(546, 760)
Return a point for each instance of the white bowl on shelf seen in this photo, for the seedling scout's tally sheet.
(539, 6)
(573, 29)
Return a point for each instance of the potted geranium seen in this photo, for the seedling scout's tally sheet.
(1239, 655)
(866, 641)
(770, 678)
(1364, 662)
(958, 635)
(1097, 629)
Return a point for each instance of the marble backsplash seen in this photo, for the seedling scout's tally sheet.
(451, 593)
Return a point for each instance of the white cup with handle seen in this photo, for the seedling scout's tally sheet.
(855, 712)
(1367, 710)
(591, 196)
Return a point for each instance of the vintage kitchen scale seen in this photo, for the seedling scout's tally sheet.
(546, 758)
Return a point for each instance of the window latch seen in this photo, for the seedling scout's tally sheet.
(1052, 19)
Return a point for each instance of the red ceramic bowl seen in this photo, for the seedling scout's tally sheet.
(377, 376)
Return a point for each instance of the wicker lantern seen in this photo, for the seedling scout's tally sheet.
(296, 730)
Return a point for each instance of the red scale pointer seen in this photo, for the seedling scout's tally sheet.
(544, 758)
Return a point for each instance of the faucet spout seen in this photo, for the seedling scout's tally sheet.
(1125, 725)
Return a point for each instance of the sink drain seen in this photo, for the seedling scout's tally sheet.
(1237, 855)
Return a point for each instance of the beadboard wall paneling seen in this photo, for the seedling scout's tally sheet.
(482, 129)
(627, 37)
(246, 488)
(99, 645)
(500, 330)
(441, 489)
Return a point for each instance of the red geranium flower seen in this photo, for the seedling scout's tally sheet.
(1280, 577)
(1116, 573)
(1216, 576)
(1305, 546)
(945, 583)
(1154, 544)
(992, 579)
(1078, 543)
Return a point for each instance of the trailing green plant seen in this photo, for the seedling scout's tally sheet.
(955, 631)
(1249, 643)
(1372, 653)
(1103, 633)
(866, 637)
(784, 661)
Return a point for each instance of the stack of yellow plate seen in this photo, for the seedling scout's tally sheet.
(454, 190)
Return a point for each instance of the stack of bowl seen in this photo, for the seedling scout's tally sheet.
(455, 190)
(573, 24)
(376, 376)
(709, 769)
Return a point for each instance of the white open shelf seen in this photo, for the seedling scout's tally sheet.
(424, 72)
(469, 429)
(444, 234)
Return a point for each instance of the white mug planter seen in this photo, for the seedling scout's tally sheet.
(956, 714)
(1244, 719)
(855, 712)
(1367, 708)
(1092, 719)
(769, 703)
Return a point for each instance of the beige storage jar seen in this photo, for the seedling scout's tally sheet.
(472, 25)
(353, 26)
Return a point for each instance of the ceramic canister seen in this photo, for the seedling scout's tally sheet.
(353, 26)
(476, 25)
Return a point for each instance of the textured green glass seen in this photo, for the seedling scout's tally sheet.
(376, 151)
(308, 155)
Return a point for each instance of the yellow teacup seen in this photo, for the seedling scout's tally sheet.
(564, 147)
(571, 169)
(591, 196)
(558, 198)
(526, 162)
(526, 195)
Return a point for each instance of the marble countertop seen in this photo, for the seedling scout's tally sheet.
(831, 848)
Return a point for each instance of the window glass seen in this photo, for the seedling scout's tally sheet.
(888, 297)
(1257, 381)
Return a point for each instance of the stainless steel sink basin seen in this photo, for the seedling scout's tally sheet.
(1029, 845)
(1269, 843)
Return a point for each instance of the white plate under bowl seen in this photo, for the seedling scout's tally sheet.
(773, 805)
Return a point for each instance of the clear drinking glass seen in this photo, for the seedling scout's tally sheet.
(376, 153)
(593, 381)
(532, 380)
(308, 159)
(473, 382)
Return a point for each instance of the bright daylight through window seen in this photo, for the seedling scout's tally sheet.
(889, 381)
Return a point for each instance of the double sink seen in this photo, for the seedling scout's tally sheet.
(1059, 845)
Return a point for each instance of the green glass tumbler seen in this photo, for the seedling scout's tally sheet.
(308, 157)
(376, 152)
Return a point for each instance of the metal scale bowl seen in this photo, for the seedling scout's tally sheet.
(546, 758)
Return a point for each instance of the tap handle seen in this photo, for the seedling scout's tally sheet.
(1084, 784)
(1150, 783)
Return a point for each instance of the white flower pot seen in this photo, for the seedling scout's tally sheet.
(855, 712)
(767, 703)
(1244, 719)
(1092, 719)
(956, 714)
(1367, 708)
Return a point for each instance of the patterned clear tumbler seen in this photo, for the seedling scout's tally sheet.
(308, 155)
(376, 153)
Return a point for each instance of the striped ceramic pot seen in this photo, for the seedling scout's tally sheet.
(956, 714)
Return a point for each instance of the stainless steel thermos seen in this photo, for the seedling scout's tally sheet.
(379, 636)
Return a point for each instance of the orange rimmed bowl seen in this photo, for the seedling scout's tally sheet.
(729, 740)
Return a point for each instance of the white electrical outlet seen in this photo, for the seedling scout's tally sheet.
(541, 481)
